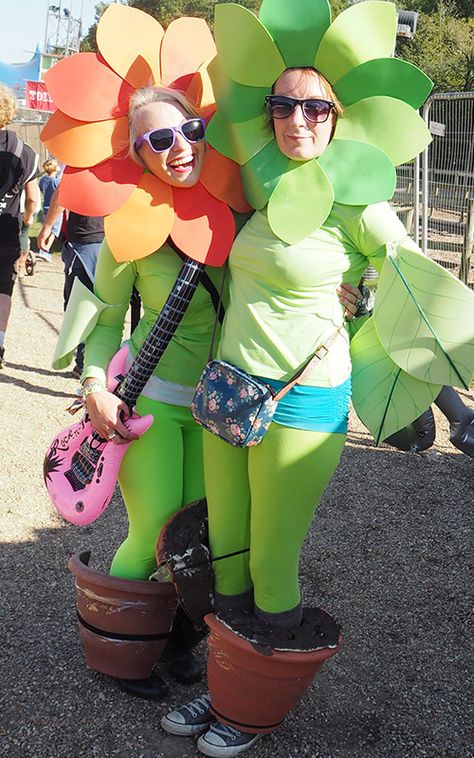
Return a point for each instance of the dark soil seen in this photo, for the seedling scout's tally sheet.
(316, 631)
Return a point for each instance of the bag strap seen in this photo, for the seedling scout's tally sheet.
(305, 370)
(206, 282)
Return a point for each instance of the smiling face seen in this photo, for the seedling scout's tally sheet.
(179, 166)
(298, 138)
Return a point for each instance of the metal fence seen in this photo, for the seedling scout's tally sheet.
(435, 195)
(28, 126)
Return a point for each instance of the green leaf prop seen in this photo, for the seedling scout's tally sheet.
(292, 221)
(247, 51)
(368, 176)
(261, 174)
(387, 123)
(424, 318)
(297, 27)
(389, 76)
(236, 102)
(362, 32)
(238, 141)
(384, 397)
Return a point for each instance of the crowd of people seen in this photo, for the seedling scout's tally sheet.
(297, 253)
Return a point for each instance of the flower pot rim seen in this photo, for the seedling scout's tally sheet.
(237, 639)
(78, 565)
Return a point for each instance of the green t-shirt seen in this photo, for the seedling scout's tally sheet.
(153, 277)
(283, 298)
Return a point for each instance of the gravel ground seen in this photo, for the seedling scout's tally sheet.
(387, 556)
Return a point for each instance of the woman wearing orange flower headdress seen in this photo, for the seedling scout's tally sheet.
(136, 153)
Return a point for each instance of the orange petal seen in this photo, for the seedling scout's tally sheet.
(84, 87)
(130, 41)
(143, 223)
(221, 177)
(200, 93)
(100, 190)
(204, 227)
(187, 43)
(82, 145)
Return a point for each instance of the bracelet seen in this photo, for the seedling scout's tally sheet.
(92, 388)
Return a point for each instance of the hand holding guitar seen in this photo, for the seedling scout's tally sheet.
(106, 411)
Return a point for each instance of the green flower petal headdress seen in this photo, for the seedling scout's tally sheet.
(379, 130)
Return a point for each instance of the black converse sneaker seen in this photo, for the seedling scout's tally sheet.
(221, 741)
(192, 718)
(2, 353)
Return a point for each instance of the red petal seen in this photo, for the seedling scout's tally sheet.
(100, 190)
(221, 177)
(203, 226)
(84, 87)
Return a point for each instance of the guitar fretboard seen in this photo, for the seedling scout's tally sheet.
(161, 333)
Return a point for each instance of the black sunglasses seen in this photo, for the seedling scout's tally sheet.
(314, 109)
(160, 140)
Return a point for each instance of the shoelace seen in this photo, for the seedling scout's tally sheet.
(199, 706)
(222, 730)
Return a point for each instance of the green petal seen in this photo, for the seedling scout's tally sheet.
(247, 52)
(389, 124)
(424, 318)
(359, 173)
(262, 173)
(301, 201)
(384, 76)
(238, 141)
(236, 101)
(362, 32)
(297, 27)
(384, 397)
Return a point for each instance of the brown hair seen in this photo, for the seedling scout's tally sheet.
(8, 106)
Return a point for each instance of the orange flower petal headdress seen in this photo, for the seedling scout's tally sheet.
(89, 133)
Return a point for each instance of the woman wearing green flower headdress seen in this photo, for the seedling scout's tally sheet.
(318, 116)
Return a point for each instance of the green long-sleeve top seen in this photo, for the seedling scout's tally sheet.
(283, 298)
(153, 277)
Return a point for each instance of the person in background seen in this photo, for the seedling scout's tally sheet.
(48, 185)
(18, 174)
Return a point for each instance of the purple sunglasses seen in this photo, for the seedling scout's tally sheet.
(160, 140)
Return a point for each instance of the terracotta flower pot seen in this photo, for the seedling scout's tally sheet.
(252, 687)
(123, 624)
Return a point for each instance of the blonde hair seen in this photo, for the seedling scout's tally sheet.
(8, 106)
(153, 94)
(50, 166)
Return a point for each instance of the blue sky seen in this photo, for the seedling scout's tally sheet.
(24, 22)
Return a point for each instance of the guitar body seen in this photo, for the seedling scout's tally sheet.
(80, 468)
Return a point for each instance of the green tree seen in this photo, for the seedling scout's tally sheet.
(443, 47)
(459, 8)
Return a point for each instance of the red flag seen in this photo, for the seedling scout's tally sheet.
(37, 97)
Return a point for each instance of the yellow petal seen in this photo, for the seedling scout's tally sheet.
(130, 40)
(143, 223)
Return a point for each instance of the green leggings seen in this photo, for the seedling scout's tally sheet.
(161, 472)
(264, 497)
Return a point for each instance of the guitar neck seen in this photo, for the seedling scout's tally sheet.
(161, 333)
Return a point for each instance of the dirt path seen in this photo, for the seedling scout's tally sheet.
(387, 555)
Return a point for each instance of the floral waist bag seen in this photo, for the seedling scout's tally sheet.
(238, 408)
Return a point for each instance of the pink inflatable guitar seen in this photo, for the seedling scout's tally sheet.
(80, 467)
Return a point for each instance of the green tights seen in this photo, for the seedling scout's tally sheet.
(264, 497)
(161, 472)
